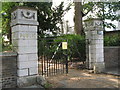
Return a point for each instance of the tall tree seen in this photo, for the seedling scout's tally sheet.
(105, 10)
(78, 18)
(81, 10)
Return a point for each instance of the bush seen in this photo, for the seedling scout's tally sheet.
(5, 46)
(112, 40)
(76, 47)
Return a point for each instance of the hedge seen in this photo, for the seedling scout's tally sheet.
(113, 40)
(76, 46)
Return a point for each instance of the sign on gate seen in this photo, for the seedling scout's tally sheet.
(64, 45)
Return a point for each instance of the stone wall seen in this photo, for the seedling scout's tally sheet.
(111, 57)
(9, 70)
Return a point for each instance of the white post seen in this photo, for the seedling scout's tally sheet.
(24, 39)
(94, 36)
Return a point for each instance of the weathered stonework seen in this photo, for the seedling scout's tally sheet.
(94, 45)
(24, 16)
(24, 39)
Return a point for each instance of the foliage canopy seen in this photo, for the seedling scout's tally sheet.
(48, 17)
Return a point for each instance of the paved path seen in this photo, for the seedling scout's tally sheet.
(82, 79)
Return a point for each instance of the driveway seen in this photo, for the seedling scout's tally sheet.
(83, 79)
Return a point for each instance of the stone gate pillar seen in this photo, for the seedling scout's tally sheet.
(24, 39)
(94, 44)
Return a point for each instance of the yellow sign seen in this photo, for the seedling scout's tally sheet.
(64, 45)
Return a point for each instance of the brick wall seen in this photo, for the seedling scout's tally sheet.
(9, 70)
(112, 57)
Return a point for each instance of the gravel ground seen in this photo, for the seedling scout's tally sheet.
(82, 79)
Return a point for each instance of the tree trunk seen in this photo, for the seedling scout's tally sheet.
(78, 27)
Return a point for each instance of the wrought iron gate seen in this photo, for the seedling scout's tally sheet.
(52, 58)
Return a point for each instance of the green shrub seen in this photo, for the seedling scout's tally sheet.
(112, 40)
(5, 46)
(48, 85)
(76, 47)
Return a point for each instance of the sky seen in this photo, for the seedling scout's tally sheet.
(70, 14)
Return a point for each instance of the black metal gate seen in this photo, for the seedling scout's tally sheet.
(52, 58)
